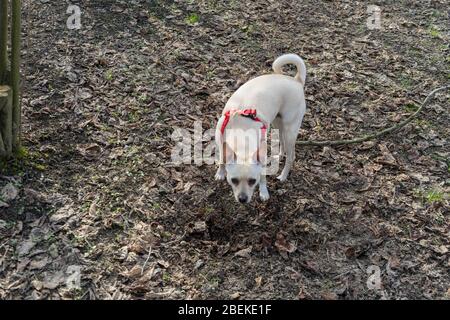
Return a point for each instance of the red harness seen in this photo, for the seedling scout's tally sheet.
(249, 113)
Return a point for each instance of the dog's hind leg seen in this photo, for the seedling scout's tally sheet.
(289, 132)
(278, 124)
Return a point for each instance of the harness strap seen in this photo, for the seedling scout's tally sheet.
(249, 113)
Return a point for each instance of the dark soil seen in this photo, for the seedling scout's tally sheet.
(96, 190)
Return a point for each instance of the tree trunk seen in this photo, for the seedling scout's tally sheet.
(10, 109)
(6, 116)
(3, 41)
(15, 72)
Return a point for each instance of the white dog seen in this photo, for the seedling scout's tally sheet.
(275, 99)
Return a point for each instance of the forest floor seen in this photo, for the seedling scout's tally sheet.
(95, 209)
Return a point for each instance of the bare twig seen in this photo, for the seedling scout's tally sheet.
(379, 133)
(145, 263)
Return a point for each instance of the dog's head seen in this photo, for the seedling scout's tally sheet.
(243, 175)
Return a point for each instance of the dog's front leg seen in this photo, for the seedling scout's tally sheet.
(220, 174)
(263, 192)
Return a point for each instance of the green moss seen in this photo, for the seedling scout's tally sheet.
(214, 281)
(22, 161)
(351, 87)
(143, 98)
(133, 116)
(434, 32)
(156, 206)
(22, 153)
(193, 18)
(109, 75)
(433, 196)
(423, 123)
(166, 277)
(39, 167)
(410, 107)
(436, 13)
(209, 210)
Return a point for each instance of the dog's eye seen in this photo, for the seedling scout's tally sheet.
(251, 181)
(235, 181)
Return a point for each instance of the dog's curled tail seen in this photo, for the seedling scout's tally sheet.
(294, 59)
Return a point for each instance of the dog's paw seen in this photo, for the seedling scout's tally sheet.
(219, 175)
(264, 195)
(282, 177)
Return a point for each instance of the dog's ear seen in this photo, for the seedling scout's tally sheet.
(260, 155)
(228, 154)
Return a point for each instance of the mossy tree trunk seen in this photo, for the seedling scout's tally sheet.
(10, 108)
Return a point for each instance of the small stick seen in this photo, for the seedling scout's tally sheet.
(145, 263)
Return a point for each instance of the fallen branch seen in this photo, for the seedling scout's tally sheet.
(376, 134)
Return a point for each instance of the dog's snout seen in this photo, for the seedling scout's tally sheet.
(242, 198)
